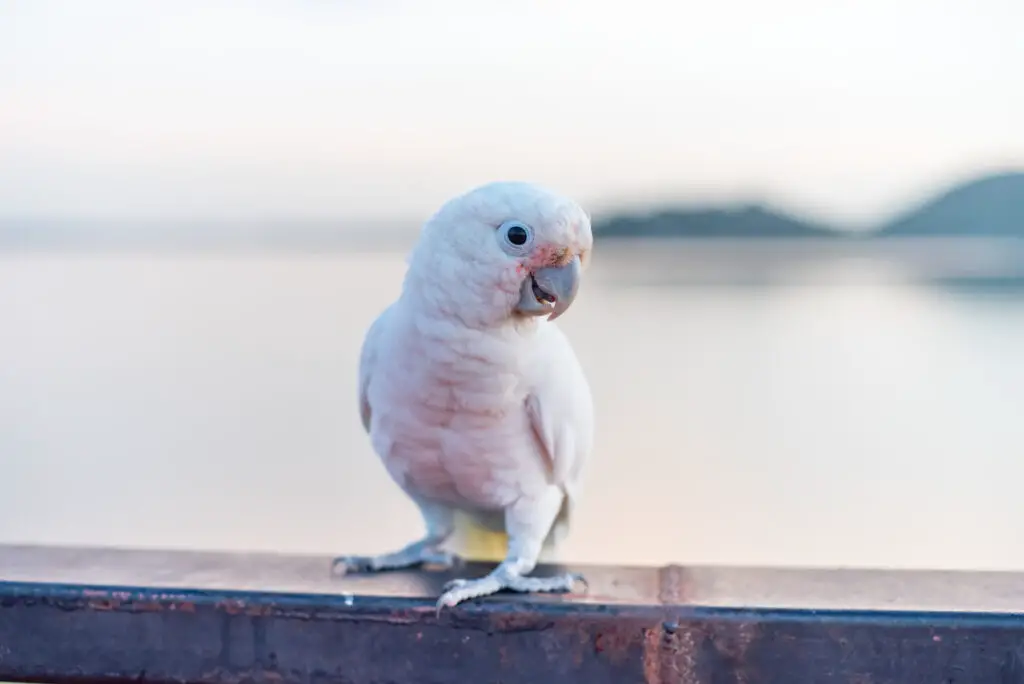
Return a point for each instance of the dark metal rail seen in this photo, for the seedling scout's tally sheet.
(92, 615)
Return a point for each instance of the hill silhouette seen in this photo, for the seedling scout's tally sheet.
(750, 221)
(987, 207)
(990, 206)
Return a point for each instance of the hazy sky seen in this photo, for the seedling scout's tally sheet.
(379, 108)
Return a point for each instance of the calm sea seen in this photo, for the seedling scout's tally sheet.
(843, 414)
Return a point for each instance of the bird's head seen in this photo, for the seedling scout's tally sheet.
(505, 249)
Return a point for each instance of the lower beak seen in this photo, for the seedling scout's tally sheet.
(550, 290)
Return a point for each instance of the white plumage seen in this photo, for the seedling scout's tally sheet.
(472, 397)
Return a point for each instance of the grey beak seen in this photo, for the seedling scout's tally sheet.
(560, 283)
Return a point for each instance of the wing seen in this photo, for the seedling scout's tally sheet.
(368, 359)
(561, 411)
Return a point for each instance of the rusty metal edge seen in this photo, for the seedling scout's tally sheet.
(595, 638)
(290, 605)
(671, 642)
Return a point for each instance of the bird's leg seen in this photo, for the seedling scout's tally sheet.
(527, 523)
(440, 523)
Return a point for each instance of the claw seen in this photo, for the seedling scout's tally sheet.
(441, 604)
(345, 565)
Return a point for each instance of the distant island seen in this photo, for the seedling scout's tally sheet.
(752, 221)
(992, 206)
(988, 207)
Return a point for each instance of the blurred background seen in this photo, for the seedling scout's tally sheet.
(804, 324)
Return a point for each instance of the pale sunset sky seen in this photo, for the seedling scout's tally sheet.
(384, 108)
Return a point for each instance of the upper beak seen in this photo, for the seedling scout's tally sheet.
(557, 283)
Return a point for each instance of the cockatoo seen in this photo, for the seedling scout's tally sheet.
(472, 397)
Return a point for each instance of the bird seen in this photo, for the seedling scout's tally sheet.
(472, 396)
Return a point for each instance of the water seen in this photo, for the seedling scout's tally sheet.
(208, 401)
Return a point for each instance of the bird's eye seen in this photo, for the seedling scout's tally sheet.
(517, 235)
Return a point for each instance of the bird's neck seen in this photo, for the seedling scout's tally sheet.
(461, 294)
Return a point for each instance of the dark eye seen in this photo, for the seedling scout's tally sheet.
(516, 235)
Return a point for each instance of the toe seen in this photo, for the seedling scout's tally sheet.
(554, 584)
(454, 584)
(460, 590)
(443, 559)
(344, 565)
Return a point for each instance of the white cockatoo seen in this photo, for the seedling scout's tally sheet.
(472, 397)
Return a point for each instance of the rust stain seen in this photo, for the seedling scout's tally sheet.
(652, 656)
(733, 641)
(103, 604)
(239, 676)
(680, 659)
(616, 644)
(135, 602)
(392, 618)
(241, 607)
(673, 585)
(231, 606)
(519, 622)
(104, 601)
(670, 654)
(138, 606)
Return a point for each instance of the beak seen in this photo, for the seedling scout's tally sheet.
(550, 290)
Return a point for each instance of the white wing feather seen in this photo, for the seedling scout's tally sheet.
(367, 361)
(561, 410)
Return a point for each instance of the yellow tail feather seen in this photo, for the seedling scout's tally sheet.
(476, 541)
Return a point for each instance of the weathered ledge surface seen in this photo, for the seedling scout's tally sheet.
(110, 615)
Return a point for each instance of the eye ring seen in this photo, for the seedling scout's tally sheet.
(516, 235)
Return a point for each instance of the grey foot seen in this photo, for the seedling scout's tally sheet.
(459, 590)
(395, 561)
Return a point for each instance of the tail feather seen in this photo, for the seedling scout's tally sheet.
(479, 538)
(477, 541)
